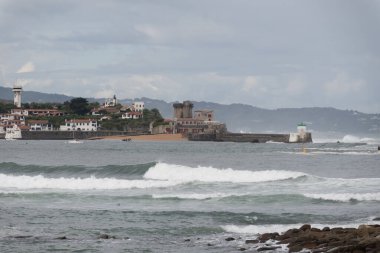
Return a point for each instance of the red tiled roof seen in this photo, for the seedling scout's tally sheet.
(80, 120)
(43, 110)
(37, 122)
(134, 113)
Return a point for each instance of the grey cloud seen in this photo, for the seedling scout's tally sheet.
(199, 51)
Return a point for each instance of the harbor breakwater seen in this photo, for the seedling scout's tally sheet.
(242, 137)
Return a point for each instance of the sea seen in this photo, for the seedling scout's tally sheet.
(140, 196)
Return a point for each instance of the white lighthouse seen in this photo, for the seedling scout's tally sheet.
(17, 89)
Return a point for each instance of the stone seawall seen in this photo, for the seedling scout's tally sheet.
(237, 137)
(254, 138)
(66, 135)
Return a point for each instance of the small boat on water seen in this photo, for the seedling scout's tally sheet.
(74, 141)
(13, 133)
(127, 139)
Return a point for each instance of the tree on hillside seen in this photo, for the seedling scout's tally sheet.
(79, 106)
(6, 107)
(35, 105)
(94, 105)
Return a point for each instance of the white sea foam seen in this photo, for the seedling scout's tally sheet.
(280, 228)
(41, 182)
(345, 153)
(198, 196)
(355, 139)
(347, 139)
(161, 175)
(259, 229)
(275, 142)
(345, 197)
(171, 172)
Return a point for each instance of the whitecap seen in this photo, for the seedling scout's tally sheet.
(171, 172)
(41, 182)
(346, 197)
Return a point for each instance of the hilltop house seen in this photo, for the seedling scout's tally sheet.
(133, 112)
(132, 115)
(138, 106)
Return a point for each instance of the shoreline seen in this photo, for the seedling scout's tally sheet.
(144, 137)
(364, 238)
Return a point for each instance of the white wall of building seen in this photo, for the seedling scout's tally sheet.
(81, 125)
(132, 115)
(138, 106)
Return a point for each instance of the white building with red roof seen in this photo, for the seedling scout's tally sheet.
(132, 115)
(80, 125)
(39, 125)
(37, 112)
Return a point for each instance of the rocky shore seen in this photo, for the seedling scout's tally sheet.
(364, 239)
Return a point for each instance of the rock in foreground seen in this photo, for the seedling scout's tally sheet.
(365, 238)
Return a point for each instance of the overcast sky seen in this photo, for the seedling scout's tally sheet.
(264, 53)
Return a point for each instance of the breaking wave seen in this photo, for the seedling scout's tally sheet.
(197, 196)
(90, 183)
(346, 197)
(119, 171)
(355, 139)
(280, 228)
(259, 229)
(127, 177)
(163, 171)
(273, 198)
(351, 139)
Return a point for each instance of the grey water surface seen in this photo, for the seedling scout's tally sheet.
(177, 196)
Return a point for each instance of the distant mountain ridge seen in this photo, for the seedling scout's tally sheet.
(33, 96)
(247, 118)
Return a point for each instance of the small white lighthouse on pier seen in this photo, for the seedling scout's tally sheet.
(17, 89)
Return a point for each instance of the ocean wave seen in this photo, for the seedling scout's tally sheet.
(346, 197)
(171, 172)
(130, 176)
(347, 139)
(345, 153)
(196, 196)
(354, 139)
(120, 171)
(90, 183)
(272, 198)
(231, 197)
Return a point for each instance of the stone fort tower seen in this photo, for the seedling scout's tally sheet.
(183, 110)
